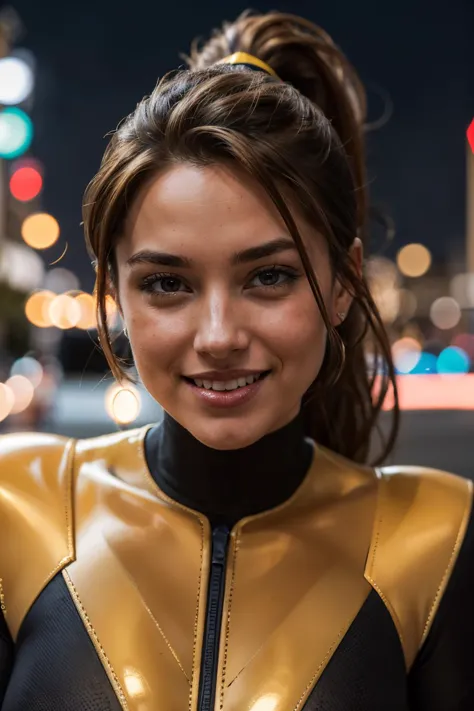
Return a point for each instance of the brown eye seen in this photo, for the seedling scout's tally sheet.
(269, 277)
(170, 284)
(273, 277)
(163, 285)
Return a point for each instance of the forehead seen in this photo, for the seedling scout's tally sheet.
(204, 212)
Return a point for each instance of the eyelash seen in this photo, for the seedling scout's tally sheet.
(148, 282)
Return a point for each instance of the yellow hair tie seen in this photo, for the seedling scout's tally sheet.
(250, 61)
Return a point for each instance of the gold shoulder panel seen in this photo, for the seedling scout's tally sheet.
(140, 558)
(35, 518)
(420, 523)
(294, 586)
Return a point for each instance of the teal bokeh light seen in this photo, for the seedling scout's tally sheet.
(16, 132)
(453, 360)
(426, 365)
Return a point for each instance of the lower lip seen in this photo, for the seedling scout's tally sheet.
(227, 398)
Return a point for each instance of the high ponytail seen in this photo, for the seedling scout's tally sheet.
(303, 55)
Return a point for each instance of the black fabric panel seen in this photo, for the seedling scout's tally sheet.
(6, 656)
(442, 677)
(56, 666)
(367, 671)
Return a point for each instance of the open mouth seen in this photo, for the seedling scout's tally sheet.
(227, 385)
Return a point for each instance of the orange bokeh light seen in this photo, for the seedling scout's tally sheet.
(23, 392)
(36, 308)
(40, 230)
(64, 311)
(87, 305)
(7, 401)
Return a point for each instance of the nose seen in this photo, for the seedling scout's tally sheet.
(220, 330)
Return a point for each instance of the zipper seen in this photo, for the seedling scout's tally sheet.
(215, 602)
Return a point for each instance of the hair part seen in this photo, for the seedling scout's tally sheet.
(306, 154)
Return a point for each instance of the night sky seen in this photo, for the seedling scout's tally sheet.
(97, 59)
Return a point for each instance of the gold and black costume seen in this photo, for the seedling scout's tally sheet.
(144, 571)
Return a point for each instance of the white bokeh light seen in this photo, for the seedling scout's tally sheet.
(16, 81)
(21, 267)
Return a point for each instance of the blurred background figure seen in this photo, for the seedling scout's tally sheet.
(68, 74)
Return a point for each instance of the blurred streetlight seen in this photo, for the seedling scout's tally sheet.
(414, 260)
(16, 80)
(445, 312)
(16, 132)
(123, 404)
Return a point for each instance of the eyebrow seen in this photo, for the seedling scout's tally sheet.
(252, 254)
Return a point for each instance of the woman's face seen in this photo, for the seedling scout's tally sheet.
(225, 331)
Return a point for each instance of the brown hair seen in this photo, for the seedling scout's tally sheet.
(301, 139)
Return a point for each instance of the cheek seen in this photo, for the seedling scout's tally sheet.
(157, 336)
(298, 336)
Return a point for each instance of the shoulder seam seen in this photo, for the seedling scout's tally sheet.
(370, 564)
(451, 563)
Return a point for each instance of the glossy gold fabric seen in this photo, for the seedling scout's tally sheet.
(35, 518)
(419, 528)
(297, 576)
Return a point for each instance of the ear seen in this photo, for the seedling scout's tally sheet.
(342, 300)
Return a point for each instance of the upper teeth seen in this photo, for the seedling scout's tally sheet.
(227, 384)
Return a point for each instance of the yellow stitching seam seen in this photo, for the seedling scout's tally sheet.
(454, 553)
(92, 633)
(315, 675)
(2, 598)
(227, 623)
(69, 495)
(371, 565)
(176, 504)
(196, 616)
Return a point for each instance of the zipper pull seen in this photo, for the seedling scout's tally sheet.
(220, 540)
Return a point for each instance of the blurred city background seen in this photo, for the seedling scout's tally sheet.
(69, 73)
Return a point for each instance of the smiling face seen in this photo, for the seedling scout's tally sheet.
(224, 328)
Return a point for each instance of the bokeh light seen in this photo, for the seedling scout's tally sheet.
(61, 280)
(26, 183)
(414, 260)
(445, 312)
(23, 393)
(383, 279)
(466, 342)
(87, 305)
(453, 360)
(64, 311)
(427, 364)
(29, 368)
(21, 267)
(123, 404)
(408, 303)
(37, 308)
(7, 401)
(462, 290)
(40, 230)
(16, 80)
(406, 354)
(16, 133)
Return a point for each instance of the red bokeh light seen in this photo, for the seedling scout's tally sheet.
(26, 183)
(470, 135)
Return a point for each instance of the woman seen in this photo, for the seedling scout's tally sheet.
(223, 560)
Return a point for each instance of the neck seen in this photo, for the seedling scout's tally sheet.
(228, 485)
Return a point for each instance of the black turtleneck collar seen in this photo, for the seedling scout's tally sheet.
(227, 485)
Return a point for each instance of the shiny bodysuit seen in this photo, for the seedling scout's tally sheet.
(145, 571)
